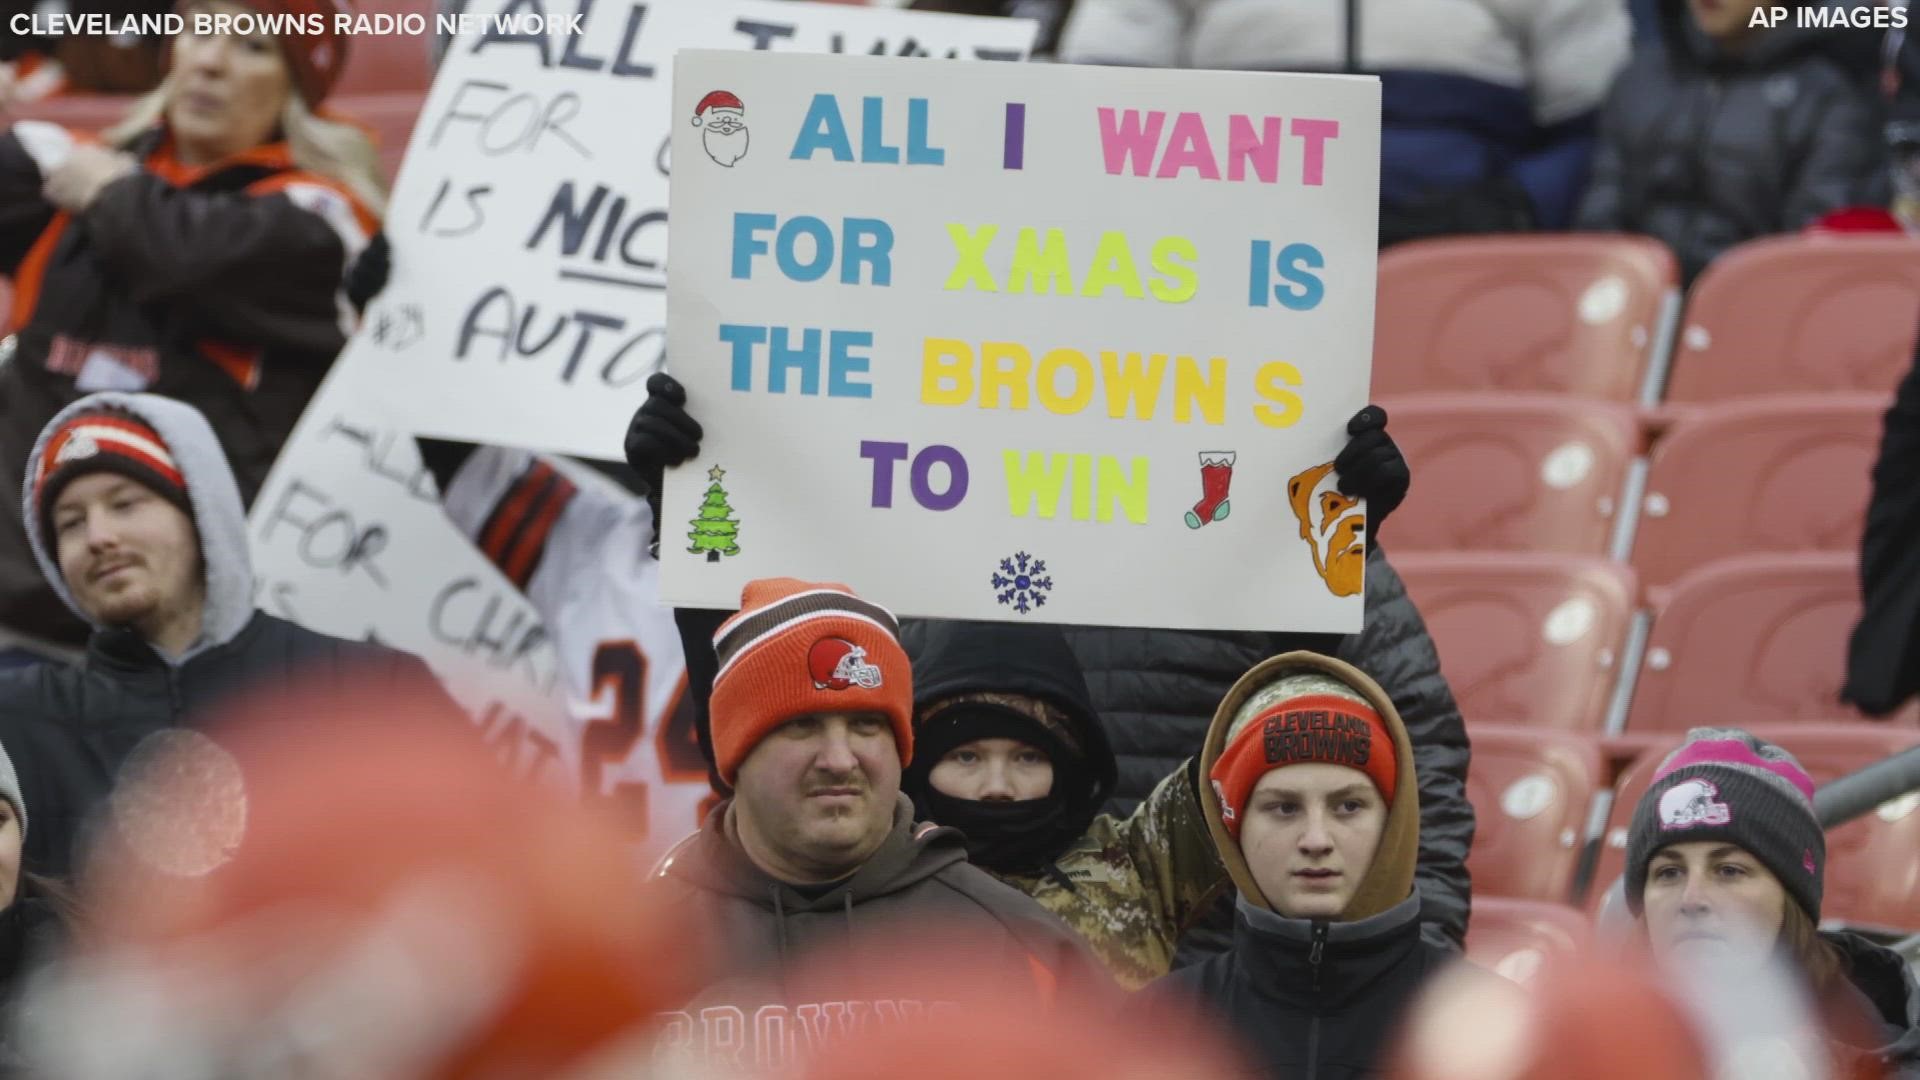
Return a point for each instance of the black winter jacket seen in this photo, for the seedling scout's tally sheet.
(1883, 663)
(1704, 149)
(32, 933)
(1888, 985)
(1157, 690)
(70, 728)
(1314, 1000)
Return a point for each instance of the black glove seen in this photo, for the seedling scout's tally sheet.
(662, 434)
(369, 273)
(1371, 467)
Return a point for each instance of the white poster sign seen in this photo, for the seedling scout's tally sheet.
(527, 304)
(1023, 341)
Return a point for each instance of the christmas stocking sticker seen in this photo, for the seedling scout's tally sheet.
(1216, 475)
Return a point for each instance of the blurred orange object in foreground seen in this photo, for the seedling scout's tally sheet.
(330, 886)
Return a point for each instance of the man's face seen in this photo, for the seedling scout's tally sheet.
(1334, 525)
(816, 797)
(10, 840)
(1309, 837)
(1724, 20)
(129, 556)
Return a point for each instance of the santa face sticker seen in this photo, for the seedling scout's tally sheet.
(724, 119)
(1333, 525)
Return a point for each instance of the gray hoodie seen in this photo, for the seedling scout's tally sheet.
(218, 515)
(918, 882)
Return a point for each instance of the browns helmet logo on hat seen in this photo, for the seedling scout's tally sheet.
(836, 664)
(1692, 803)
(78, 448)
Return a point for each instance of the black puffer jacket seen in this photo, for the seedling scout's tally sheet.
(1704, 149)
(1883, 663)
(1157, 690)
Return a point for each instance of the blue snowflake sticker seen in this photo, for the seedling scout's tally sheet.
(1022, 582)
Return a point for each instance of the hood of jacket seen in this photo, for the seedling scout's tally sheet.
(1884, 978)
(1689, 47)
(1389, 880)
(909, 855)
(219, 517)
(954, 658)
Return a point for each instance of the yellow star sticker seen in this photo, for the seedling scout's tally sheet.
(714, 474)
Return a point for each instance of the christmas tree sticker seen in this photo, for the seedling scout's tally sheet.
(715, 530)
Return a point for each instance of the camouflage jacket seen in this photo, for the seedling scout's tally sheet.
(1130, 885)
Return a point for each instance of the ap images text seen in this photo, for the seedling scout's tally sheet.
(1857, 18)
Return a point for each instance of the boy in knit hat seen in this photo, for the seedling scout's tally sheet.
(1313, 804)
(812, 720)
(1726, 868)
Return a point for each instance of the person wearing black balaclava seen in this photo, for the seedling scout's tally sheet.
(1008, 749)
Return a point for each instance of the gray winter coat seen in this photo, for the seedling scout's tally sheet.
(1156, 691)
(1704, 149)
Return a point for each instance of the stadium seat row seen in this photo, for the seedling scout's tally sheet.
(1538, 472)
(1599, 316)
(1555, 642)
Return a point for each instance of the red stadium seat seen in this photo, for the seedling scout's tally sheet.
(1571, 314)
(1776, 474)
(1873, 862)
(1511, 472)
(1794, 314)
(1514, 937)
(388, 119)
(1525, 638)
(1531, 792)
(1760, 639)
(382, 63)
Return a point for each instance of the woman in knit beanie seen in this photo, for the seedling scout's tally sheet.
(1726, 866)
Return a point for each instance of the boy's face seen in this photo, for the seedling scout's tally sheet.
(1725, 20)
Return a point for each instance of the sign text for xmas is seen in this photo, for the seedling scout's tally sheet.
(1065, 343)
